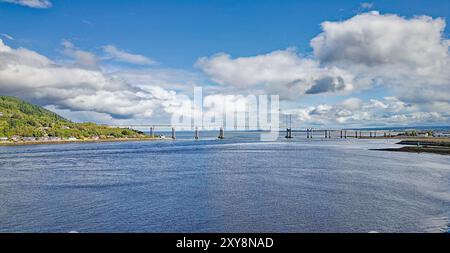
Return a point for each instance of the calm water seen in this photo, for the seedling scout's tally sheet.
(234, 185)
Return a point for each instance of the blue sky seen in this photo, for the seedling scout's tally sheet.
(177, 34)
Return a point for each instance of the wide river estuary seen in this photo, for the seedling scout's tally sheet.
(234, 185)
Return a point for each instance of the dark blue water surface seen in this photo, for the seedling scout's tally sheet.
(234, 185)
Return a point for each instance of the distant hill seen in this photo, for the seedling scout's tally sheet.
(20, 118)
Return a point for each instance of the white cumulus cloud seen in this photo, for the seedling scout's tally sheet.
(359, 113)
(283, 72)
(40, 4)
(116, 54)
(389, 48)
(9, 37)
(408, 56)
(32, 76)
(367, 6)
(81, 58)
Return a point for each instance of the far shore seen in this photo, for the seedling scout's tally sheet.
(422, 145)
(38, 142)
(424, 149)
(436, 145)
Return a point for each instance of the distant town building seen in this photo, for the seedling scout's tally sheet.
(71, 138)
(15, 138)
(1, 114)
(3, 139)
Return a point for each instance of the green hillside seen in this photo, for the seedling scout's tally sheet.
(20, 118)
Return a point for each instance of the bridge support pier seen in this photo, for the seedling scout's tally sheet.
(173, 133)
(289, 133)
(221, 134)
(197, 134)
(152, 134)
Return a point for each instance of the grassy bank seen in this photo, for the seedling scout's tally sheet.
(20, 119)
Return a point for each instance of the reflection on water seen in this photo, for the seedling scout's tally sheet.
(234, 185)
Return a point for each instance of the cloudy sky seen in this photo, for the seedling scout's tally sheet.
(332, 63)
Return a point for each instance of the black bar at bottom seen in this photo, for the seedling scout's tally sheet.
(223, 242)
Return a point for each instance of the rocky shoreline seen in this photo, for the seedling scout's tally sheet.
(38, 142)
